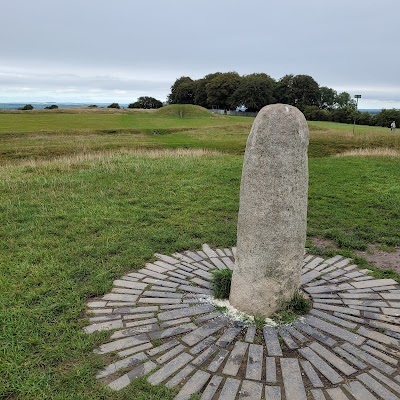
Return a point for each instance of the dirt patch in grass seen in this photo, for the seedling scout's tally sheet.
(379, 256)
(382, 258)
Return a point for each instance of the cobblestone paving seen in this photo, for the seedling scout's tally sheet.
(347, 347)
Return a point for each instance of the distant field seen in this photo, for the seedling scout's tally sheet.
(69, 226)
(49, 134)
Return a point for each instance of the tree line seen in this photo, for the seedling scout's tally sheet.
(229, 90)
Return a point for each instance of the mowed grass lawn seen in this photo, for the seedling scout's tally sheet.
(70, 226)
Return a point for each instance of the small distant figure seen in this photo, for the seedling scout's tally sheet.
(393, 126)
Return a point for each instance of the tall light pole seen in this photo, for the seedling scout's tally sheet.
(357, 96)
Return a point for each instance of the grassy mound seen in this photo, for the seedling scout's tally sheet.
(185, 111)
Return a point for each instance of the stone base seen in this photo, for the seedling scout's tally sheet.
(347, 347)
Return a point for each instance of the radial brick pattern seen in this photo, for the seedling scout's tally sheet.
(347, 347)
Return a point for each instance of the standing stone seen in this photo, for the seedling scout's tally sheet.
(272, 213)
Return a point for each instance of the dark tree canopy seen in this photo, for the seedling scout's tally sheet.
(26, 107)
(221, 88)
(200, 97)
(254, 91)
(146, 102)
(182, 91)
(114, 105)
(326, 98)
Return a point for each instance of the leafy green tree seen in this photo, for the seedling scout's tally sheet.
(386, 117)
(182, 91)
(326, 98)
(200, 97)
(284, 90)
(26, 107)
(305, 91)
(52, 107)
(221, 88)
(254, 91)
(146, 102)
(343, 101)
(114, 105)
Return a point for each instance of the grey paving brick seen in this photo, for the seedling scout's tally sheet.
(207, 329)
(368, 358)
(373, 283)
(321, 365)
(207, 317)
(157, 294)
(134, 350)
(270, 369)
(379, 337)
(218, 263)
(292, 380)
(235, 359)
(228, 336)
(218, 360)
(125, 363)
(290, 343)
(379, 354)
(205, 355)
(331, 318)
(211, 388)
(120, 297)
(384, 379)
(126, 291)
(135, 310)
(121, 344)
(318, 394)
(334, 360)
(171, 353)
(334, 330)
(230, 389)
(166, 265)
(185, 312)
(208, 341)
(358, 391)
(273, 392)
(194, 289)
(169, 369)
(272, 341)
(316, 334)
(376, 387)
(139, 322)
(158, 300)
(311, 374)
(349, 357)
(173, 331)
(153, 274)
(180, 376)
(168, 259)
(157, 268)
(250, 334)
(202, 282)
(255, 362)
(135, 330)
(160, 282)
(193, 385)
(342, 310)
(104, 326)
(299, 336)
(251, 390)
(173, 322)
(137, 372)
(163, 347)
(174, 306)
(336, 394)
(129, 284)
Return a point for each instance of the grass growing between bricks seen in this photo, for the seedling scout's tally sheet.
(299, 305)
(222, 283)
(69, 228)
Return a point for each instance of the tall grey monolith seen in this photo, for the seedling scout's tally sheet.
(272, 212)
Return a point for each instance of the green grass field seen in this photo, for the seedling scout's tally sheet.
(84, 198)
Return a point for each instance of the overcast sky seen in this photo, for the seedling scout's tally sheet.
(106, 51)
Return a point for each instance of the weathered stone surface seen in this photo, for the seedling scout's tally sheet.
(229, 389)
(272, 212)
(235, 359)
(292, 381)
(211, 388)
(250, 390)
(193, 385)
